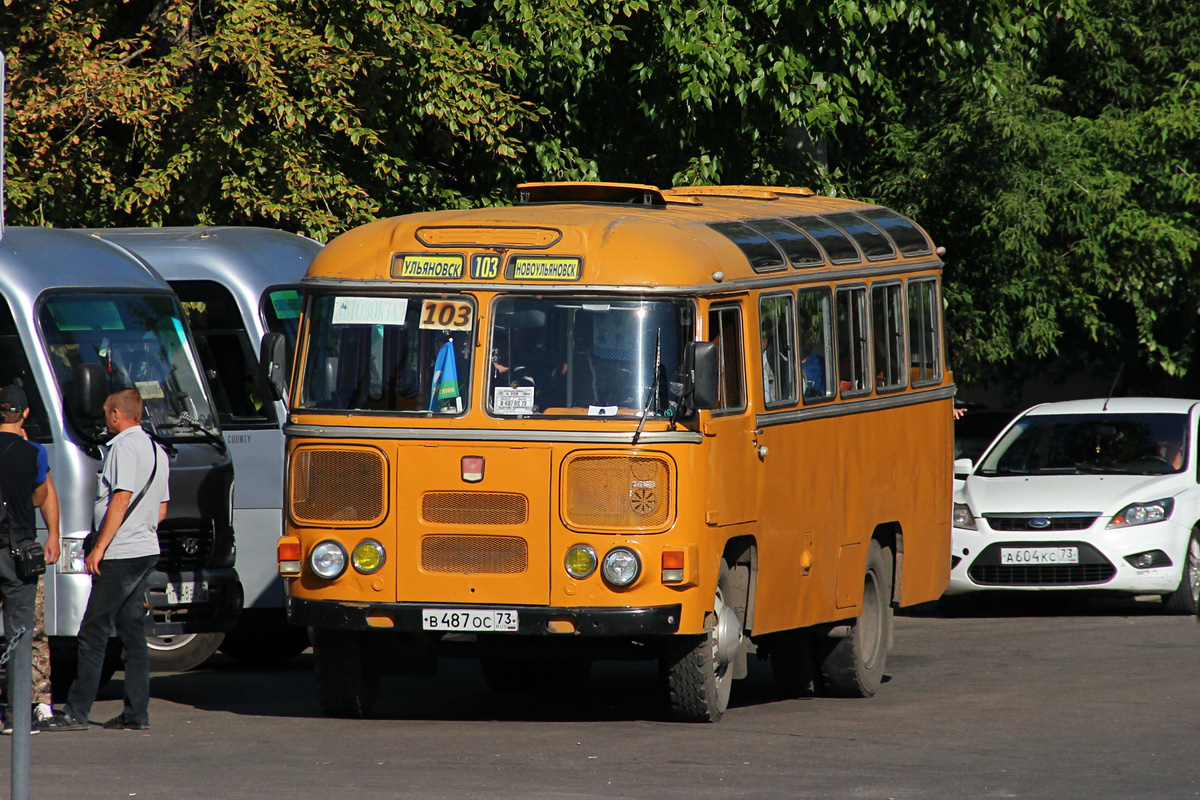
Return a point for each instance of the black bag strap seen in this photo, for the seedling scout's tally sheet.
(146, 488)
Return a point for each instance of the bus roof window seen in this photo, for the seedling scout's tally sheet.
(836, 244)
(799, 249)
(907, 236)
(874, 244)
(759, 251)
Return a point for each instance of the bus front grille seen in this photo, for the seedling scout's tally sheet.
(474, 508)
(618, 492)
(336, 485)
(497, 555)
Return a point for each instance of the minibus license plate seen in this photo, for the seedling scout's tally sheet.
(1017, 556)
(469, 619)
(187, 592)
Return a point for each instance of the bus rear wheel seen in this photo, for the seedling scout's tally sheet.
(854, 665)
(348, 672)
(700, 669)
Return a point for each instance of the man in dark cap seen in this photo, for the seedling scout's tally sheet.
(24, 485)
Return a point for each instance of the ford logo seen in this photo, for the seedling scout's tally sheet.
(1040, 523)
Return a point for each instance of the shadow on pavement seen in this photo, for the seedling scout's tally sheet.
(1036, 604)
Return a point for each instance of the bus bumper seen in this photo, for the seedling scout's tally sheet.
(534, 620)
(193, 601)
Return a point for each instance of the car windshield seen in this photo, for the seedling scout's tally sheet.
(142, 343)
(388, 353)
(1100, 444)
(586, 356)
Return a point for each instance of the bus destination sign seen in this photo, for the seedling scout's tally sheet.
(427, 267)
(544, 268)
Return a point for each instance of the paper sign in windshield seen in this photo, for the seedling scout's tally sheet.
(149, 390)
(603, 411)
(370, 310)
(513, 400)
(286, 303)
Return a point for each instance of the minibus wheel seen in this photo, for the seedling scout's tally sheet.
(854, 664)
(348, 670)
(183, 652)
(1186, 599)
(700, 669)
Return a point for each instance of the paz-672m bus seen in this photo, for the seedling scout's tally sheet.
(614, 421)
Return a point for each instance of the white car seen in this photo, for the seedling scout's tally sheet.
(1087, 495)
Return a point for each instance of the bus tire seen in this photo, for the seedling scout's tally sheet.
(535, 677)
(700, 669)
(794, 663)
(348, 672)
(1186, 599)
(854, 664)
(182, 652)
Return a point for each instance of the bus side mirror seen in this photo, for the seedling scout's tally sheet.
(700, 375)
(272, 355)
(89, 390)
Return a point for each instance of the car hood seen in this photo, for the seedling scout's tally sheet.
(1047, 494)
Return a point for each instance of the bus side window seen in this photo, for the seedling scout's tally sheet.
(888, 333)
(853, 366)
(777, 340)
(924, 332)
(816, 344)
(725, 329)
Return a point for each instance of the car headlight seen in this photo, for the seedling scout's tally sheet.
(71, 557)
(580, 561)
(1143, 513)
(368, 556)
(328, 559)
(963, 518)
(621, 566)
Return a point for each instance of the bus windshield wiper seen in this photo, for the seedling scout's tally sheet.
(186, 420)
(653, 387)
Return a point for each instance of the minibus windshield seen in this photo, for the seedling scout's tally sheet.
(589, 356)
(1091, 444)
(142, 343)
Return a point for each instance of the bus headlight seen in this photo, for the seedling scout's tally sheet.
(581, 561)
(328, 559)
(621, 566)
(368, 556)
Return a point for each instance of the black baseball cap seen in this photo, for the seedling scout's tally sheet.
(13, 399)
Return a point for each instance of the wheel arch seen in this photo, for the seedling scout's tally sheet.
(741, 553)
(891, 537)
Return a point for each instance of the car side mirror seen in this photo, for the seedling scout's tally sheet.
(272, 358)
(89, 390)
(700, 373)
(962, 468)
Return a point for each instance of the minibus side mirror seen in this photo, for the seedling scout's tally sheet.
(272, 355)
(700, 375)
(89, 390)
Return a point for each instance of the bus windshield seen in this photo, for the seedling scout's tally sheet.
(142, 343)
(586, 355)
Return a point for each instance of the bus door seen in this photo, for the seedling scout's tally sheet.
(730, 438)
(473, 523)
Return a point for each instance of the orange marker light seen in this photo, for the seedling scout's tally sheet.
(289, 555)
(672, 566)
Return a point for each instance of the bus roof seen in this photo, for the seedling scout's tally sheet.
(598, 234)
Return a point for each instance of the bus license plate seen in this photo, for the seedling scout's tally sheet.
(187, 592)
(469, 619)
(1018, 556)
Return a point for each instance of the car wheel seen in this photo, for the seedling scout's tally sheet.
(1186, 599)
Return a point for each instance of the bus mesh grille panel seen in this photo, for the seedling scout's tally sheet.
(474, 508)
(629, 492)
(329, 485)
(504, 555)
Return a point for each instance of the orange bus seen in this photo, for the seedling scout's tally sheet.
(613, 421)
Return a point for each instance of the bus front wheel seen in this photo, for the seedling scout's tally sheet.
(854, 664)
(348, 672)
(700, 669)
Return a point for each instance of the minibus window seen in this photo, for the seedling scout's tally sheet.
(225, 352)
(888, 332)
(281, 306)
(388, 354)
(776, 338)
(816, 344)
(852, 341)
(142, 343)
(924, 337)
(14, 368)
(591, 356)
(725, 329)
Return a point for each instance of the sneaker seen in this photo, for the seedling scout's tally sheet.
(60, 721)
(7, 727)
(123, 723)
(42, 712)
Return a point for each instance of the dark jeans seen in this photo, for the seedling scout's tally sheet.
(118, 600)
(19, 600)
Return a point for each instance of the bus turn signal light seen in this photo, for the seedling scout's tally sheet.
(289, 555)
(672, 566)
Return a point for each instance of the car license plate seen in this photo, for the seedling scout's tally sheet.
(187, 592)
(1019, 556)
(474, 620)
